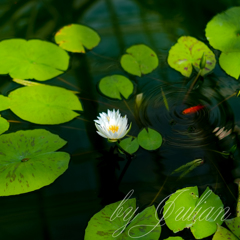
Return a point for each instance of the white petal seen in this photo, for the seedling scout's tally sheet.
(101, 134)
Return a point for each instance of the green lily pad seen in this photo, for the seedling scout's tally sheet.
(185, 209)
(33, 59)
(130, 145)
(140, 60)
(230, 63)
(75, 37)
(174, 238)
(223, 234)
(208, 215)
(234, 225)
(43, 104)
(4, 125)
(187, 53)
(149, 139)
(223, 31)
(176, 209)
(28, 161)
(116, 85)
(4, 103)
(111, 222)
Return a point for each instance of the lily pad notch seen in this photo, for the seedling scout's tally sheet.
(75, 37)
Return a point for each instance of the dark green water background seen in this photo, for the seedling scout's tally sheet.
(61, 210)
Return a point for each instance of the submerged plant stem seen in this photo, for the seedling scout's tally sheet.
(193, 83)
(234, 94)
(158, 192)
(129, 159)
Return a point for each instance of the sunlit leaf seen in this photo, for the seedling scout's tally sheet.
(223, 234)
(223, 32)
(44, 104)
(184, 199)
(4, 103)
(209, 213)
(129, 145)
(111, 223)
(28, 160)
(33, 59)
(116, 85)
(139, 60)
(185, 209)
(149, 139)
(187, 53)
(230, 63)
(234, 225)
(4, 125)
(75, 37)
(26, 83)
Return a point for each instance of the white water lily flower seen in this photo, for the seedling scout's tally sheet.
(112, 125)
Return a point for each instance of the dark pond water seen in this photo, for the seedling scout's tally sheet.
(63, 209)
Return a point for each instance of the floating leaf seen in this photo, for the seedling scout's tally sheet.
(187, 52)
(185, 210)
(230, 63)
(130, 145)
(139, 60)
(223, 234)
(223, 32)
(33, 59)
(75, 37)
(111, 222)
(4, 103)
(28, 160)
(26, 83)
(185, 199)
(209, 213)
(4, 125)
(149, 139)
(116, 85)
(44, 104)
(234, 225)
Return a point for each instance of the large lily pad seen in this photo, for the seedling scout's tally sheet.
(33, 59)
(230, 63)
(28, 161)
(223, 31)
(187, 53)
(149, 139)
(223, 234)
(44, 104)
(116, 85)
(4, 125)
(234, 225)
(111, 223)
(4, 103)
(75, 37)
(209, 213)
(140, 60)
(202, 215)
(176, 209)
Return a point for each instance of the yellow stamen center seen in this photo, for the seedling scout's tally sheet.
(113, 128)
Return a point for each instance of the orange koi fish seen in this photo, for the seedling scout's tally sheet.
(192, 109)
